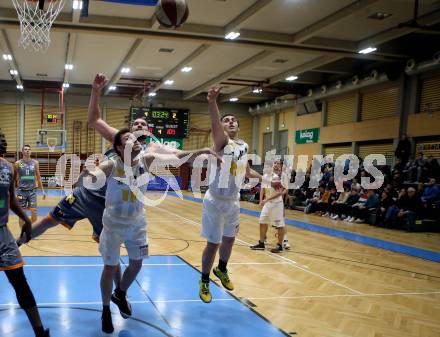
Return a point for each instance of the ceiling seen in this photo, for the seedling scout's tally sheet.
(316, 40)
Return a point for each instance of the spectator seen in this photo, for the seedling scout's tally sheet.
(360, 213)
(410, 210)
(331, 199)
(312, 202)
(430, 193)
(403, 150)
(386, 201)
(322, 203)
(421, 165)
(391, 214)
(337, 207)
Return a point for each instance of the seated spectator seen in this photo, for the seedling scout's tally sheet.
(360, 212)
(391, 191)
(362, 199)
(322, 203)
(431, 193)
(406, 209)
(408, 215)
(313, 201)
(386, 201)
(421, 165)
(325, 206)
(337, 207)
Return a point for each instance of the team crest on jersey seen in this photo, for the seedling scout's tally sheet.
(5, 177)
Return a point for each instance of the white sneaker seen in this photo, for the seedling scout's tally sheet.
(286, 245)
(325, 214)
(348, 219)
(335, 217)
(359, 221)
(353, 219)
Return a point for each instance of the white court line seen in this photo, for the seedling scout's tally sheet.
(233, 299)
(291, 262)
(149, 264)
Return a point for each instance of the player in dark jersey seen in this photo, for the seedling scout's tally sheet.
(11, 261)
(27, 177)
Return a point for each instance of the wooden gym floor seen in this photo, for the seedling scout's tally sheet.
(323, 287)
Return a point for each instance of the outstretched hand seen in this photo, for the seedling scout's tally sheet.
(213, 94)
(99, 82)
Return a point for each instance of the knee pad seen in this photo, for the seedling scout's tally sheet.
(24, 294)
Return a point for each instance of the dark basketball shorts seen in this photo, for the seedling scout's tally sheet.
(79, 205)
(27, 198)
(10, 257)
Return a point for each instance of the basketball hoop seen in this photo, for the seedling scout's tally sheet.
(36, 21)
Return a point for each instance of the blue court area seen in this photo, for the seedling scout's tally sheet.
(164, 298)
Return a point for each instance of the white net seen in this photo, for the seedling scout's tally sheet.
(35, 23)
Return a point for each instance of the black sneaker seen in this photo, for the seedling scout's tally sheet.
(123, 305)
(277, 249)
(259, 246)
(106, 321)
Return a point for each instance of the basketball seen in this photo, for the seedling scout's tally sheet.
(171, 13)
(276, 184)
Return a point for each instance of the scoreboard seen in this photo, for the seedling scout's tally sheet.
(163, 122)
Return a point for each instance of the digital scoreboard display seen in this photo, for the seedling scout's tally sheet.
(163, 122)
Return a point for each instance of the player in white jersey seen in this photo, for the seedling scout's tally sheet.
(272, 200)
(124, 217)
(221, 207)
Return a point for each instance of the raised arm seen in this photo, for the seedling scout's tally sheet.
(170, 158)
(218, 133)
(94, 115)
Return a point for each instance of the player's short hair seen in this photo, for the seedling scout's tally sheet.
(26, 145)
(117, 141)
(227, 115)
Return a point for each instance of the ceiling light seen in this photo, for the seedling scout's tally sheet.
(233, 99)
(7, 57)
(186, 69)
(19, 87)
(168, 82)
(367, 50)
(152, 94)
(257, 90)
(125, 70)
(13, 72)
(112, 87)
(232, 35)
(283, 125)
(77, 4)
(291, 78)
(66, 85)
(68, 66)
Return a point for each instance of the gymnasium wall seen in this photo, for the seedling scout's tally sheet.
(85, 141)
(368, 120)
